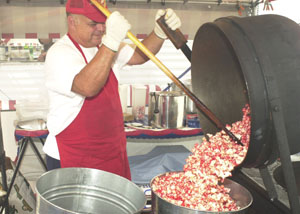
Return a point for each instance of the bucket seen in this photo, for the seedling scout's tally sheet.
(153, 111)
(171, 109)
(166, 109)
(84, 190)
(238, 193)
(190, 106)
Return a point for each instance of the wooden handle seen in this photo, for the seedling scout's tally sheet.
(101, 8)
(176, 36)
(210, 115)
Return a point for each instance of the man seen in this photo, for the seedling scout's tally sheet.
(46, 44)
(85, 120)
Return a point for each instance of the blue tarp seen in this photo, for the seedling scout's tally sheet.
(160, 160)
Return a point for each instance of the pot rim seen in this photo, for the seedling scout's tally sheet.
(196, 210)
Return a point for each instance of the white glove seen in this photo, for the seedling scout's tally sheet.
(172, 20)
(116, 30)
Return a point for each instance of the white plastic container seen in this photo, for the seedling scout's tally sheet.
(139, 102)
(123, 91)
(2, 53)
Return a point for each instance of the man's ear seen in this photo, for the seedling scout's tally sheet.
(72, 20)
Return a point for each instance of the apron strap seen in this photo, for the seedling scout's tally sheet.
(78, 47)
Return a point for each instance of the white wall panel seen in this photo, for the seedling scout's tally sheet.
(23, 80)
(149, 73)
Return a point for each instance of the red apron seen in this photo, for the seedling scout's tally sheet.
(96, 138)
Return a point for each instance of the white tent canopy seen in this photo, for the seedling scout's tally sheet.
(287, 8)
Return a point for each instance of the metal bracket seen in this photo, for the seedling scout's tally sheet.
(268, 182)
(284, 151)
(278, 120)
(281, 137)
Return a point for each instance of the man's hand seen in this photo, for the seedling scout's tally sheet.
(172, 20)
(116, 30)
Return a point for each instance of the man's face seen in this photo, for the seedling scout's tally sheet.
(88, 31)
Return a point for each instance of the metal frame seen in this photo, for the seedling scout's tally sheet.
(282, 142)
(23, 146)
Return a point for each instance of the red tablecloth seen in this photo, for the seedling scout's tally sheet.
(131, 132)
(134, 132)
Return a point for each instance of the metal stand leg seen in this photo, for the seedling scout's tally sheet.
(280, 130)
(285, 158)
(4, 181)
(23, 148)
(5, 204)
(38, 153)
(268, 182)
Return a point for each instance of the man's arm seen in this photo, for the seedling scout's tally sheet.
(90, 80)
(153, 43)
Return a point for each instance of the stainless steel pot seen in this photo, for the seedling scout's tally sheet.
(166, 109)
(83, 190)
(241, 195)
(190, 106)
(171, 109)
(153, 110)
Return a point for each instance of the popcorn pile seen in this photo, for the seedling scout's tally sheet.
(197, 187)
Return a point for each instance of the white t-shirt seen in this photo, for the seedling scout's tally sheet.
(63, 62)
